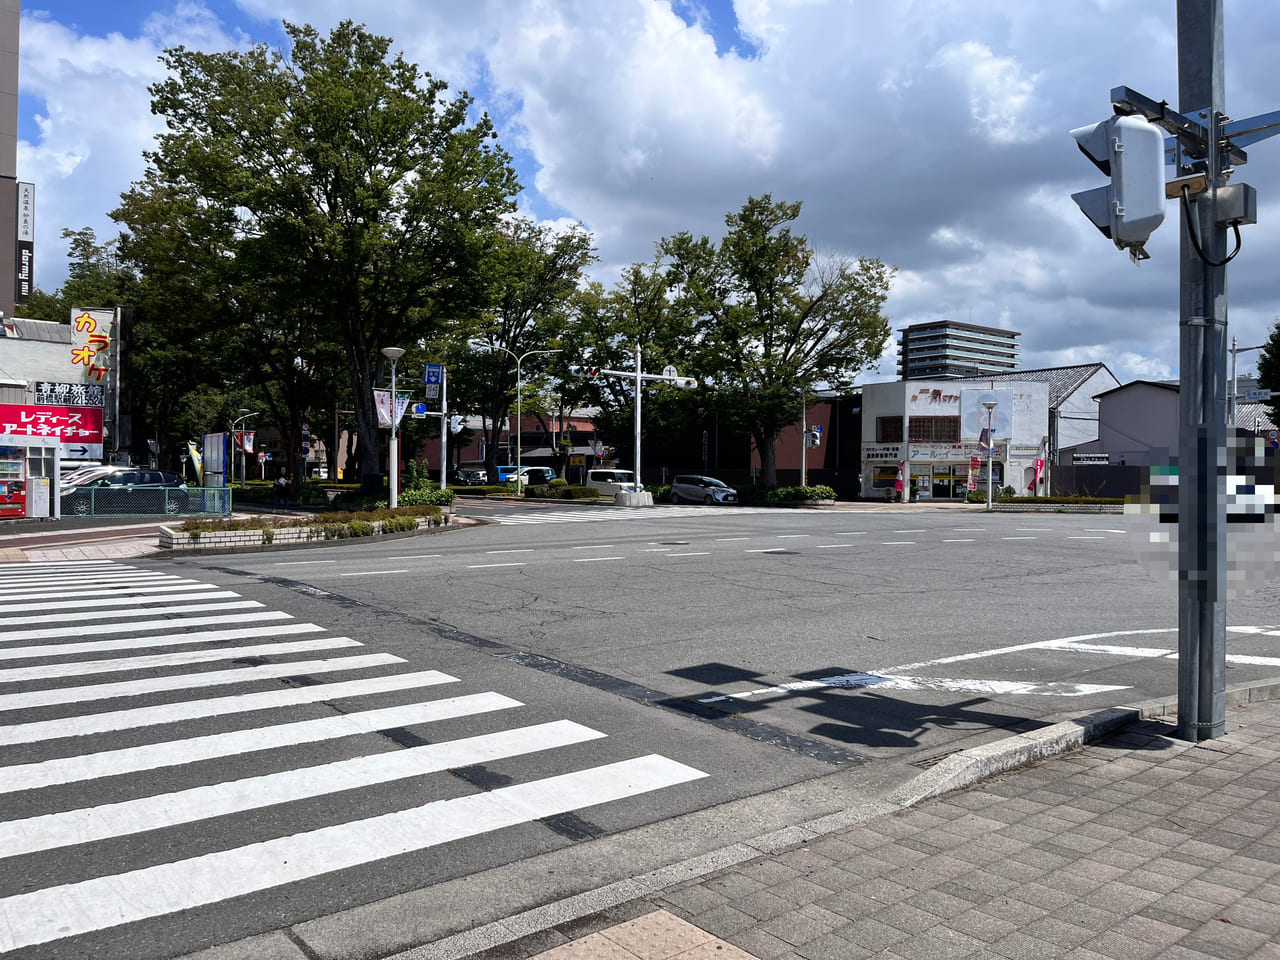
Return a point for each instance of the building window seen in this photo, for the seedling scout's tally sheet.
(934, 429)
(888, 429)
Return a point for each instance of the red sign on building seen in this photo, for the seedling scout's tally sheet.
(77, 430)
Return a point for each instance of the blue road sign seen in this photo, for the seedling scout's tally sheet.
(434, 373)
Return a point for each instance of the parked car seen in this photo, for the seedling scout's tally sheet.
(469, 477)
(126, 490)
(536, 475)
(691, 488)
(610, 482)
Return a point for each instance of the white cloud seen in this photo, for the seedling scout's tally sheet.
(929, 133)
(1002, 100)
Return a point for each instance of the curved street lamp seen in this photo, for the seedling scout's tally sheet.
(245, 414)
(393, 354)
(480, 344)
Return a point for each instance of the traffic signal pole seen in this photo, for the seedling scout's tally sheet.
(1206, 148)
(1202, 454)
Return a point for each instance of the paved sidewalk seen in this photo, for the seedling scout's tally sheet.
(1136, 846)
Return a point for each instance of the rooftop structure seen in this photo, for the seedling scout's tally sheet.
(949, 350)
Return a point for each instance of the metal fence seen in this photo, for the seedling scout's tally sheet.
(146, 502)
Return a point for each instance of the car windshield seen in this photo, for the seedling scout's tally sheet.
(712, 482)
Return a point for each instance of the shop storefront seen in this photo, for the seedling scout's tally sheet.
(932, 437)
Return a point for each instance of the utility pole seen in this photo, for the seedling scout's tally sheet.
(1206, 148)
(1202, 515)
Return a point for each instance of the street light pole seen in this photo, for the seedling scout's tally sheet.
(393, 354)
(238, 434)
(519, 384)
(991, 443)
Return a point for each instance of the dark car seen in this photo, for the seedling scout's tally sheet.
(136, 491)
(691, 488)
(469, 477)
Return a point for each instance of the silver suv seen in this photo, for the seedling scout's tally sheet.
(691, 488)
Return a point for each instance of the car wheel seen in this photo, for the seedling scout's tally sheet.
(172, 507)
(708, 499)
(80, 508)
(675, 498)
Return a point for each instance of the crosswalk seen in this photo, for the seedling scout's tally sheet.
(136, 704)
(597, 514)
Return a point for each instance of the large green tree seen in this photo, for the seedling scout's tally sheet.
(350, 201)
(532, 272)
(607, 328)
(1269, 370)
(772, 320)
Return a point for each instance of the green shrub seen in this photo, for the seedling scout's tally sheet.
(423, 494)
(561, 491)
(799, 494)
(559, 482)
(661, 492)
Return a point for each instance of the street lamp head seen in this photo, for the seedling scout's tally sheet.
(393, 353)
(990, 404)
(243, 411)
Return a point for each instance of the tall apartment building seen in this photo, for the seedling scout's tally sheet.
(947, 349)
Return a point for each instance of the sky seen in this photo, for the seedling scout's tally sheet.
(931, 134)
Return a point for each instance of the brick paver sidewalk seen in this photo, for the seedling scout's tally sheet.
(1137, 846)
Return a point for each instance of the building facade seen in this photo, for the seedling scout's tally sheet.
(946, 349)
(928, 434)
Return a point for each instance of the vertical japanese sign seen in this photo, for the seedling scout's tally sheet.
(90, 342)
(24, 253)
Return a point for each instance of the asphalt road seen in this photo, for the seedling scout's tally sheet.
(678, 678)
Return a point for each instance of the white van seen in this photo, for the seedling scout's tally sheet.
(611, 482)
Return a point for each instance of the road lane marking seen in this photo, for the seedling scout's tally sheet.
(910, 531)
(703, 554)
(416, 556)
(171, 639)
(122, 601)
(730, 539)
(1086, 538)
(895, 543)
(853, 533)
(1017, 538)
(792, 536)
(114, 720)
(372, 573)
(191, 681)
(172, 753)
(766, 550)
(514, 550)
(86, 613)
(76, 631)
(85, 668)
(486, 566)
(596, 559)
(960, 541)
(854, 681)
(299, 563)
(832, 546)
(50, 831)
(593, 546)
(63, 594)
(108, 901)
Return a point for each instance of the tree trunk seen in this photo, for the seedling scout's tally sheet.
(767, 446)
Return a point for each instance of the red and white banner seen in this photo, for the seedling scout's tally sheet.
(76, 430)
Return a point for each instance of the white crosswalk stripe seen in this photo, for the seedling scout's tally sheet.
(60, 623)
(597, 514)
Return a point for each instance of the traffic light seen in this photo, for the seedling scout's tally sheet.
(584, 371)
(685, 383)
(575, 371)
(1130, 151)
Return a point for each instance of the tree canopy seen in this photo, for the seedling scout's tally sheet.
(333, 196)
(1269, 370)
(772, 320)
